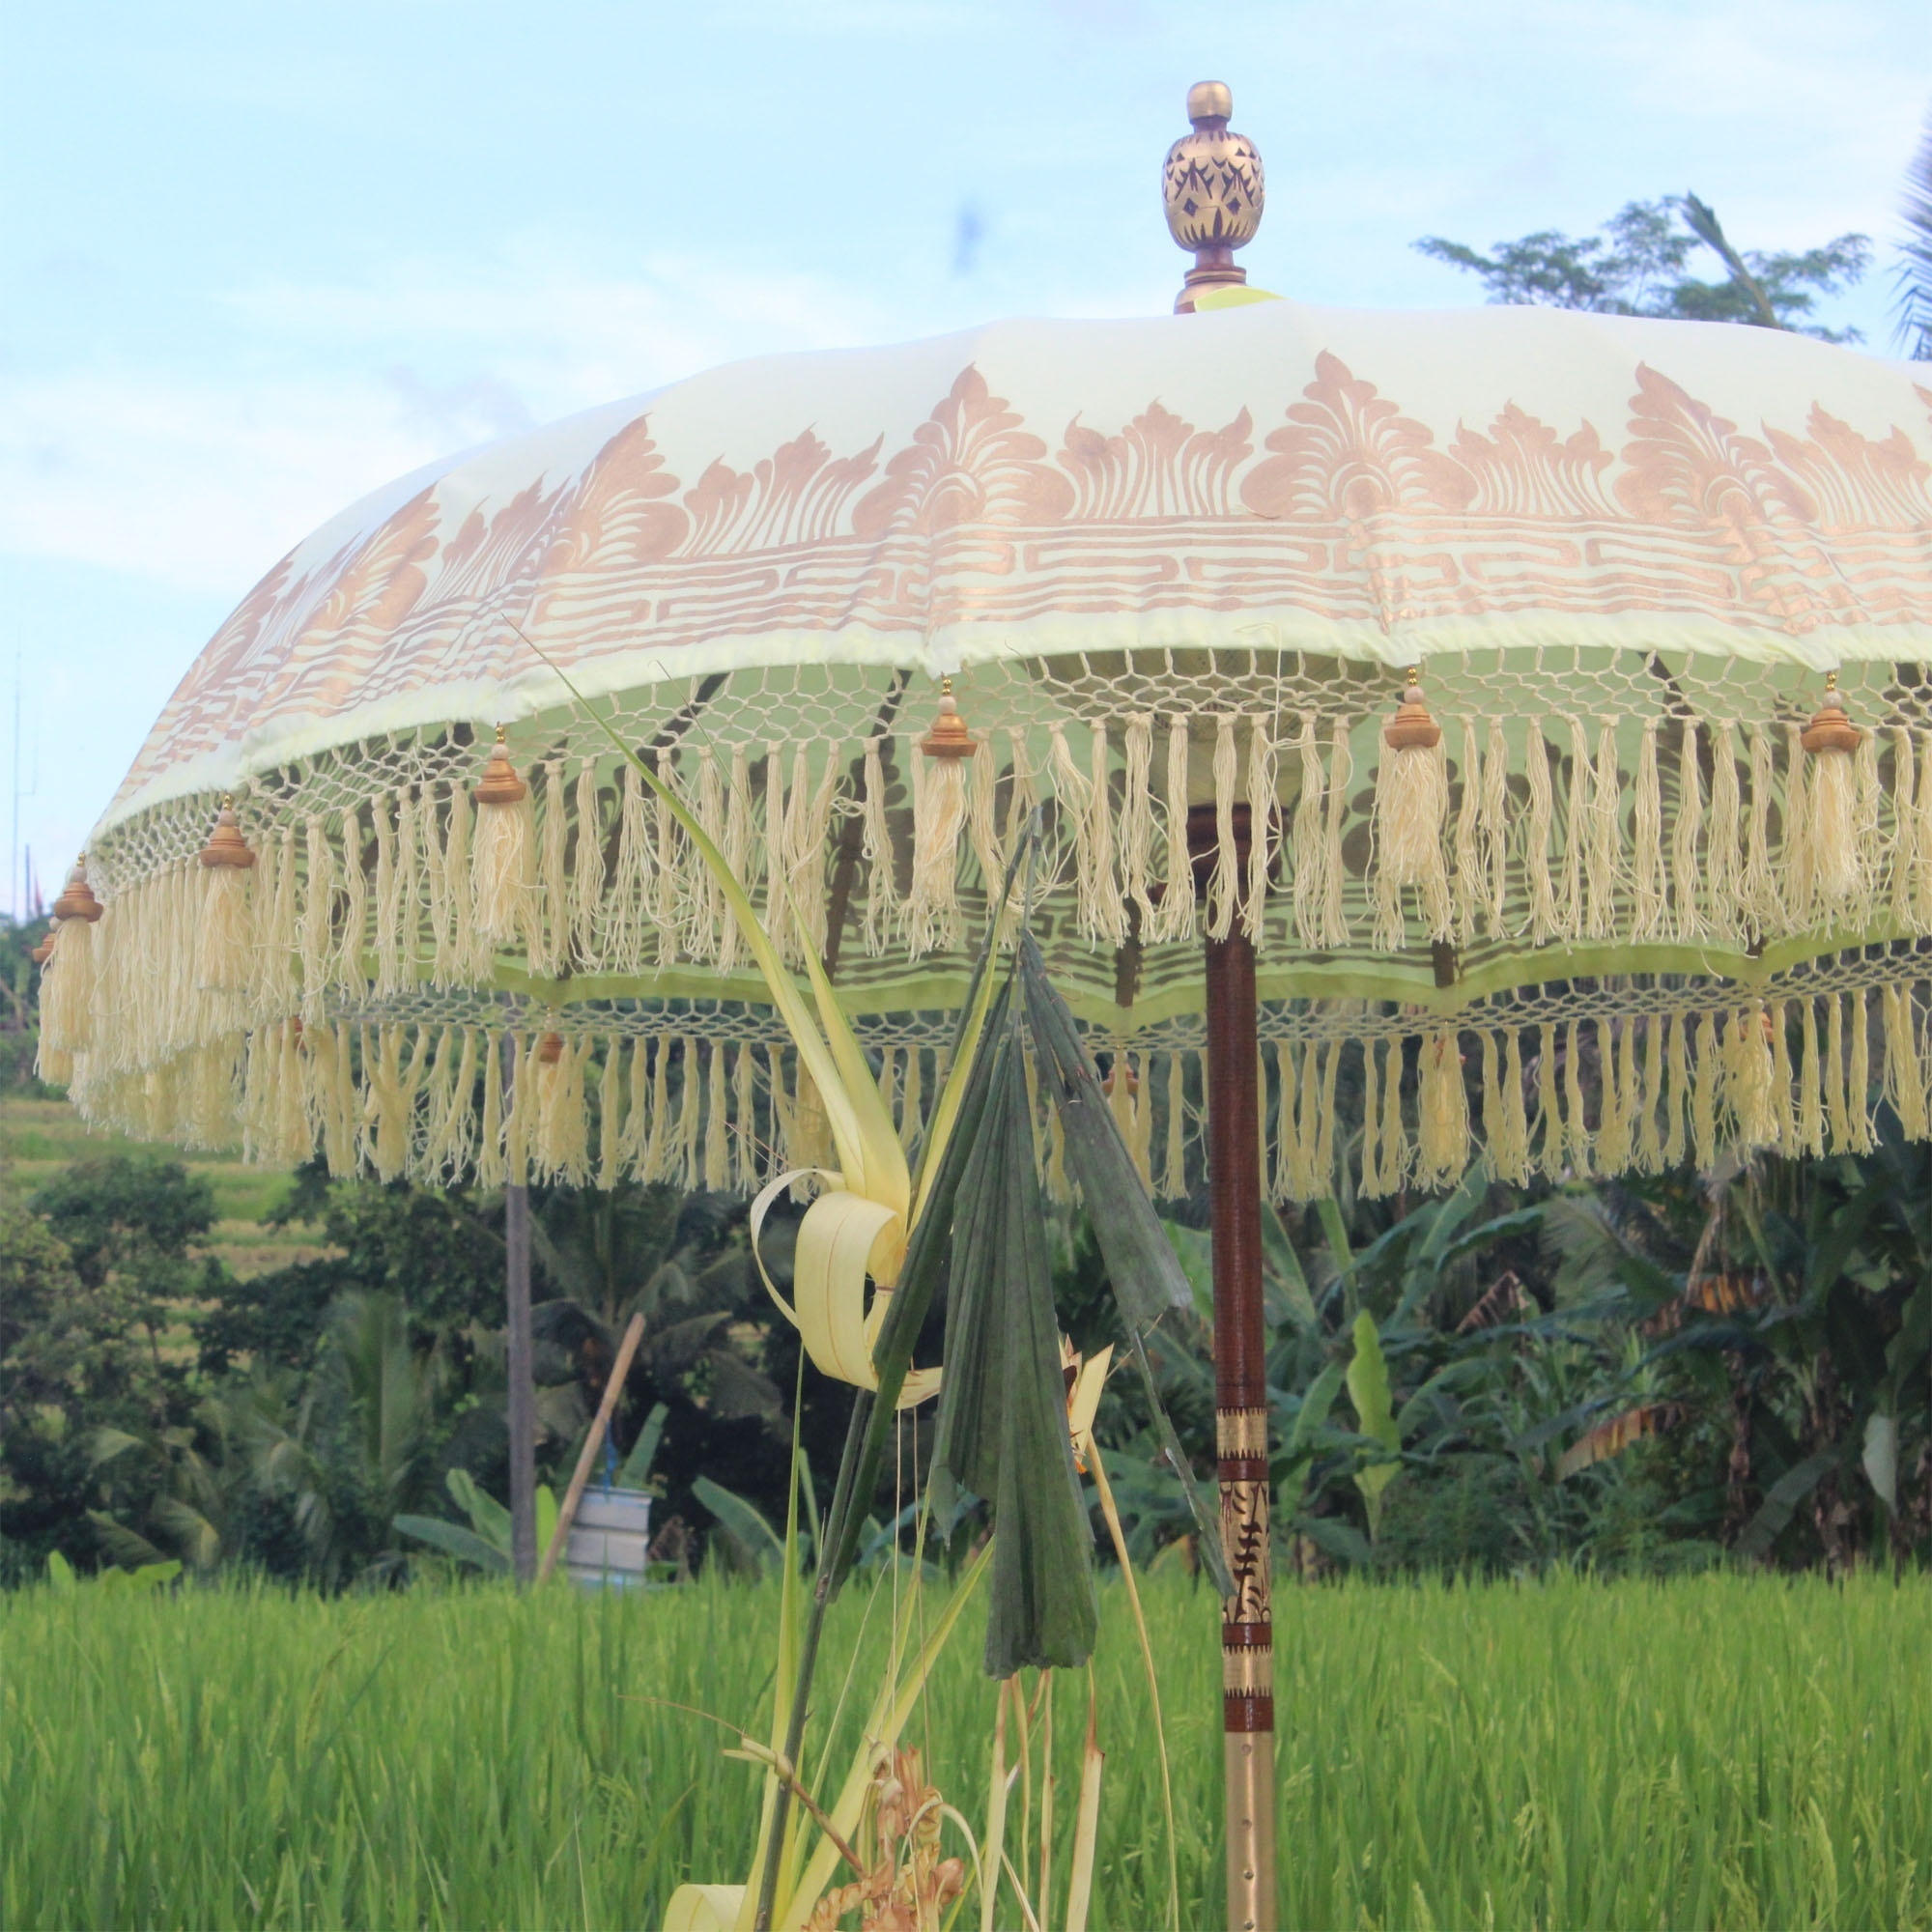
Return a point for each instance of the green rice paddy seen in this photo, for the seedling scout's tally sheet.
(1716, 1751)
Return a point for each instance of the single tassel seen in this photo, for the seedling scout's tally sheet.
(1283, 1185)
(610, 1117)
(226, 937)
(409, 889)
(1578, 1133)
(1176, 898)
(634, 1137)
(1652, 902)
(1757, 889)
(525, 1084)
(562, 1143)
(1728, 916)
(1677, 1092)
(667, 914)
(548, 923)
(1173, 1160)
(1110, 910)
(690, 1171)
(1325, 1131)
(1224, 886)
(1514, 1162)
(317, 941)
(656, 1162)
(1704, 1095)
(468, 957)
(1617, 1103)
(277, 943)
(490, 1168)
(1394, 1139)
(1546, 919)
(1260, 825)
(1310, 846)
(1828, 868)
(1577, 830)
(1904, 1083)
(1470, 875)
(808, 827)
(438, 897)
(459, 1147)
(1838, 1108)
(1073, 798)
(1369, 1186)
(744, 1119)
(875, 846)
(587, 874)
(737, 847)
(1921, 842)
(982, 826)
(1603, 873)
(1687, 854)
(939, 816)
(1022, 795)
(1443, 1138)
(501, 852)
(1136, 819)
(1551, 1154)
(1411, 803)
(1750, 1074)
(1783, 1075)
(1808, 1124)
(626, 918)
(1492, 830)
(1857, 1078)
(1649, 1142)
(389, 903)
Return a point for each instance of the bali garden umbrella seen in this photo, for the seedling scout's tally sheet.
(1531, 711)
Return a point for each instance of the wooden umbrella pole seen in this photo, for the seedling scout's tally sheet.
(592, 1442)
(1240, 1413)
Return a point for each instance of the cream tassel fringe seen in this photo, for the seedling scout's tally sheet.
(1858, 1095)
(1550, 1152)
(807, 824)
(634, 1139)
(1904, 1077)
(469, 958)
(668, 912)
(1110, 912)
(1603, 871)
(939, 818)
(981, 822)
(500, 864)
(1677, 1093)
(490, 1168)
(318, 934)
(1470, 872)
(1175, 920)
(1311, 885)
(67, 992)
(549, 910)
(1173, 1153)
(1836, 1101)
(1576, 1140)
(388, 904)
(1757, 889)
(744, 1119)
(1411, 803)
(1704, 1095)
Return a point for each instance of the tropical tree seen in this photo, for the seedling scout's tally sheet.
(1915, 267)
(1638, 263)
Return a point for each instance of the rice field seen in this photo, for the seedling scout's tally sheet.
(1713, 1751)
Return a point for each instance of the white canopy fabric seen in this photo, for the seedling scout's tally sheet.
(1622, 915)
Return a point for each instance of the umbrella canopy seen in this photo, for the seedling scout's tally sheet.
(1618, 880)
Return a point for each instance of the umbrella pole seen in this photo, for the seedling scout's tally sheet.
(520, 1371)
(1241, 1424)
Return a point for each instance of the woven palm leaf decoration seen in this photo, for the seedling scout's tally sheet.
(1571, 675)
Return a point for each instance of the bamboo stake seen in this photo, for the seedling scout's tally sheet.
(592, 1442)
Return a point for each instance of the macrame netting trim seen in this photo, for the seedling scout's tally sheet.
(1636, 921)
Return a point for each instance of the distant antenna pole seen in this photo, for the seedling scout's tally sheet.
(14, 895)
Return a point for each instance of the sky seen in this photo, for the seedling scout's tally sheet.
(257, 261)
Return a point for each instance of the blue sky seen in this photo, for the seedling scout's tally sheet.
(261, 259)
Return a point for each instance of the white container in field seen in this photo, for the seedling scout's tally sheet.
(609, 1538)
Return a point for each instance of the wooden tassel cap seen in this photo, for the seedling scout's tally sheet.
(1830, 728)
(550, 1049)
(948, 737)
(45, 951)
(226, 845)
(77, 899)
(1412, 728)
(501, 784)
